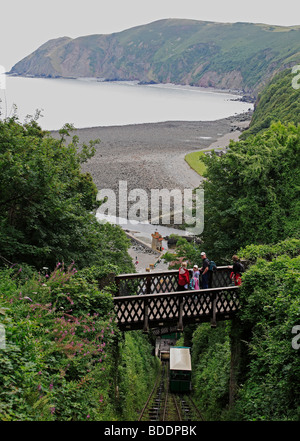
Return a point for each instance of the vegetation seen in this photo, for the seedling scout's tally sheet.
(137, 371)
(252, 209)
(279, 101)
(211, 369)
(223, 55)
(270, 309)
(269, 366)
(195, 161)
(62, 356)
(252, 192)
(47, 202)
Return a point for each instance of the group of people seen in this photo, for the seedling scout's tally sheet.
(202, 276)
(184, 280)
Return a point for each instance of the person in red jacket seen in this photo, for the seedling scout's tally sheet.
(237, 270)
(183, 277)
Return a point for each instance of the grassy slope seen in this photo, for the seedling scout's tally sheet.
(194, 160)
(279, 101)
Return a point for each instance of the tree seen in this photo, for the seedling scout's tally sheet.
(270, 302)
(46, 202)
(252, 192)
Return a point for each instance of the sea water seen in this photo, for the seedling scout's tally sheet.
(90, 102)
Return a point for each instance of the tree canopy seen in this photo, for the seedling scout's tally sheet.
(46, 202)
(252, 192)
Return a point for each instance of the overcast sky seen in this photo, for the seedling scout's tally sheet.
(26, 24)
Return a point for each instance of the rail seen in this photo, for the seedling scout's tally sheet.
(162, 405)
(176, 308)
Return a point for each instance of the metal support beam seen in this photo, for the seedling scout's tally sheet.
(146, 317)
(213, 320)
(180, 309)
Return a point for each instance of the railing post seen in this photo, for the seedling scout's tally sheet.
(180, 322)
(117, 281)
(146, 317)
(213, 320)
(148, 284)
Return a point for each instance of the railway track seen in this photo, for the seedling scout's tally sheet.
(162, 405)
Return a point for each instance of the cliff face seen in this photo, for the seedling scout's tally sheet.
(234, 56)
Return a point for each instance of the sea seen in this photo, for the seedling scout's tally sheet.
(90, 102)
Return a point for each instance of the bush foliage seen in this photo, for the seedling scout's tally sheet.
(270, 297)
(61, 359)
(278, 101)
(269, 368)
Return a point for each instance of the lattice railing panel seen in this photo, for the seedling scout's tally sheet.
(227, 302)
(134, 286)
(163, 309)
(142, 312)
(128, 311)
(220, 278)
(197, 305)
(163, 283)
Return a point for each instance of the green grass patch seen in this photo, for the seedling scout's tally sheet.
(195, 161)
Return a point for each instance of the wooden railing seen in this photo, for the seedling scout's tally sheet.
(176, 308)
(163, 282)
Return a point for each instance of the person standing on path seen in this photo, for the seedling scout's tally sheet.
(204, 270)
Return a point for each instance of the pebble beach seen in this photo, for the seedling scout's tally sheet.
(151, 156)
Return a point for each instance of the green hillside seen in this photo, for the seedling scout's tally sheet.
(279, 101)
(223, 55)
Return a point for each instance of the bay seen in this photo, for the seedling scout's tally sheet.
(89, 102)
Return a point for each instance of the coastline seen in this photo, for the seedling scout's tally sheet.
(239, 92)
